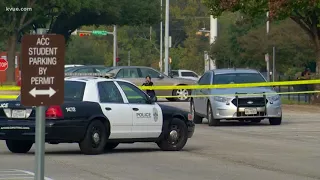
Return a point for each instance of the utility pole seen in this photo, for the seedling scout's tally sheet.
(115, 45)
(166, 42)
(150, 29)
(129, 58)
(267, 55)
(161, 41)
(273, 63)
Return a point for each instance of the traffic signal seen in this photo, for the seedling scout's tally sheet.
(117, 59)
(84, 34)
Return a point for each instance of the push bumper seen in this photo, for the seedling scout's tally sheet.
(56, 131)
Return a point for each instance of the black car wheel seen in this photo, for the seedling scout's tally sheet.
(176, 138)
(211, 120)
(275, 121)
(196, 118)
(95, 139)
(17, 146)
(183, 94)
(110, 146)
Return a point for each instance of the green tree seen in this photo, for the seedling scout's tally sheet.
(99, 49)
(13, 23)
(304, 13)
(187, 18)
(63, 17)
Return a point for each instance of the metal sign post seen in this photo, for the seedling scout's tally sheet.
(42, 83)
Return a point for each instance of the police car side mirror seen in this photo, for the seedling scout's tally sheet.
(151, 100)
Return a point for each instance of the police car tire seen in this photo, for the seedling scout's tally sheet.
(110, 146)
(211, 120)
(86, 145)
(165, 144)
(275, 121)
(17, 146)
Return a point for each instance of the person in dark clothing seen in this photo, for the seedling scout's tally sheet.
(306, 74)
(151, 93)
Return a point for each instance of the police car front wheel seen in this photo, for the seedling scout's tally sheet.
(176, 137)
(95, 139)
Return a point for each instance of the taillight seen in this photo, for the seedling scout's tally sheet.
(54, 112)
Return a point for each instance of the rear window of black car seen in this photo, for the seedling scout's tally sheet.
(73, 91)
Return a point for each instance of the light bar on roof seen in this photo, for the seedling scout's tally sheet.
(105, 75)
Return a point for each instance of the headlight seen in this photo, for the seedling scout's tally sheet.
(274, 98)
(220, 99)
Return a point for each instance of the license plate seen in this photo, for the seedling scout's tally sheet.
(18, 114)
(250, 111)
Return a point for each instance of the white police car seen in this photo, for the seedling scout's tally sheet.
(99, 114)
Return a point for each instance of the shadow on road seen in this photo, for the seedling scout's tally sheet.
(78, 152)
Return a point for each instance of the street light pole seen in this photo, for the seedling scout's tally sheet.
(161, 41)
(166, 53)
(213, 36)
(115, 45)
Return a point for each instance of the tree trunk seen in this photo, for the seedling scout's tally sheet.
(316, 97)
(11, 59)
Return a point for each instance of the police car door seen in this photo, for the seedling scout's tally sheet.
(147, 118)
(115, 109)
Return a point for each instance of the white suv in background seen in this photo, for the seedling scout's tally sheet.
(186, 74)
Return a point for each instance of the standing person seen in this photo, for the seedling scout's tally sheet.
(151, 93)
(305, 75)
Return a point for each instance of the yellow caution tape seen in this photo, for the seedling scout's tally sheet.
(221, 86)
(9, 88)
(217, 86)
(210, 95)
(8, 96)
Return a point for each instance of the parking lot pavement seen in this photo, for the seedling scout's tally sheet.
(231, 151)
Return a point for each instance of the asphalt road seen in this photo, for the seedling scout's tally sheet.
(232, 151)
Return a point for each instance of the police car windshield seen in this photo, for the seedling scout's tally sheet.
(238, 78)
(73, 91)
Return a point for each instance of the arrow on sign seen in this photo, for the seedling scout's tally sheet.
(34, 92)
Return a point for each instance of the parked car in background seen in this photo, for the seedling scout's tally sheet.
(70, 66)
(137, 74)
(185, 74)
(86, 69)
(244, 104)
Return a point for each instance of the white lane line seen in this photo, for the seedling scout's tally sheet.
(18, 178)
(17, 174)
(8, 171)
(12, 175)
(31, 173)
